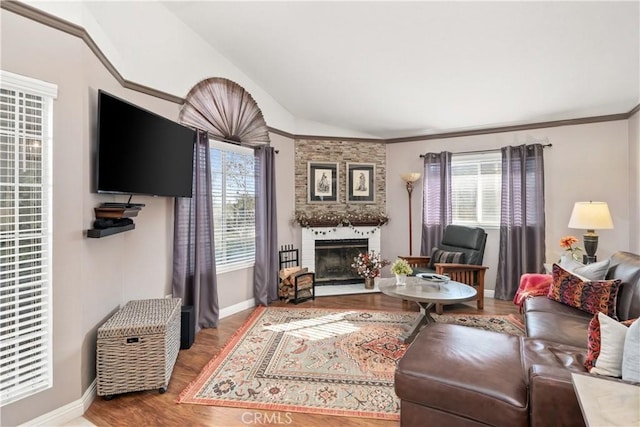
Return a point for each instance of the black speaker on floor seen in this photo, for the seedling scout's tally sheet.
(187, 327)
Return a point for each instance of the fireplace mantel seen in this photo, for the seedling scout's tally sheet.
(345, 219)
(330, 224)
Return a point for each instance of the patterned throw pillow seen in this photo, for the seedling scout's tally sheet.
(589, 296)
(440, 256)
(605, 347)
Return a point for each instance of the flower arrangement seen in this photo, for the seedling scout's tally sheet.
(567, 243)
(401, 266)
(368, 264)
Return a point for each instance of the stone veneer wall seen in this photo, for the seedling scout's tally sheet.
(342, 152)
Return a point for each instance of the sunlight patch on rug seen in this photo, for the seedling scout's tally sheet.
(318, 328)
(319, 361)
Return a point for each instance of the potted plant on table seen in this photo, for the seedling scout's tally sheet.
(401, 269)
(368, 265)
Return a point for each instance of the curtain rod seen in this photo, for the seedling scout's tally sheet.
(422, 156)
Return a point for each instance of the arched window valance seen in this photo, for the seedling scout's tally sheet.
(225, 110)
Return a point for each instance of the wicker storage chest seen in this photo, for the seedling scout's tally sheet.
(138, 346)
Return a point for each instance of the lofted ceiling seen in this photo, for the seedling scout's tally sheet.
(395, 69)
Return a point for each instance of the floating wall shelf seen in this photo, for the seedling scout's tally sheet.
(113, 218)
(97, 233)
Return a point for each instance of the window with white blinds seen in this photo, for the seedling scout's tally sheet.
(475, 189)
(25, 236)
(234, 205)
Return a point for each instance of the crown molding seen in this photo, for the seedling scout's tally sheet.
(60, 24)
(322, 138)
(515, 128)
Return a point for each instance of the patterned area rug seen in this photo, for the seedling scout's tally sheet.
(508, 324)
(314, 361)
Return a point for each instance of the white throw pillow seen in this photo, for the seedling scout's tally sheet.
(612, 337)
(568, 263)
(631, 354)
(593, 271)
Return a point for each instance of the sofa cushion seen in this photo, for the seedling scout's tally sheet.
(589, 296)
(626, 267)
(546, 305)
(569, 263)
(462, 371)
(631, 353)
(594, 271)
(606, 345)
(552, 401)
(558, 327)
(553, 355)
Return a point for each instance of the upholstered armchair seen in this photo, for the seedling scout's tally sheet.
(459, 256)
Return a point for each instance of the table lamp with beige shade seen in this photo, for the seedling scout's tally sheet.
(591, 216)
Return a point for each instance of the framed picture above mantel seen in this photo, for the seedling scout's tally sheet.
(361, 182)
(322, 182)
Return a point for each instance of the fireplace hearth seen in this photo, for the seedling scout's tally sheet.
(333, 259)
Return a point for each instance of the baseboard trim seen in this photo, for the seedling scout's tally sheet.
(89, 395)
(68, 412)
(236, 308)
(489, 293)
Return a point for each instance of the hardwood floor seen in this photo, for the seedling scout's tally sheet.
(153, 409)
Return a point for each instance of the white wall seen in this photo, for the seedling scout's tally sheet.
(634, 182)
(586, 162)
(285, 192)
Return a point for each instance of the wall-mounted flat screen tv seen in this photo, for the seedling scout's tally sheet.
(140, 152)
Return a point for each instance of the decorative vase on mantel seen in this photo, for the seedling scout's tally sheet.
(369, 282)
(401, 279)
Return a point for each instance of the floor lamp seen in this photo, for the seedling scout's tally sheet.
(410, 178)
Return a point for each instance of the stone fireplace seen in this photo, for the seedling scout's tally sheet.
(330, 251)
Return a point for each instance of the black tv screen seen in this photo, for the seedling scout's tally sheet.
(140, 152)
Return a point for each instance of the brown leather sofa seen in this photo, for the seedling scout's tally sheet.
(459, 376)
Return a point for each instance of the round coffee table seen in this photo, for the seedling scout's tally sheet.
(426, 294)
